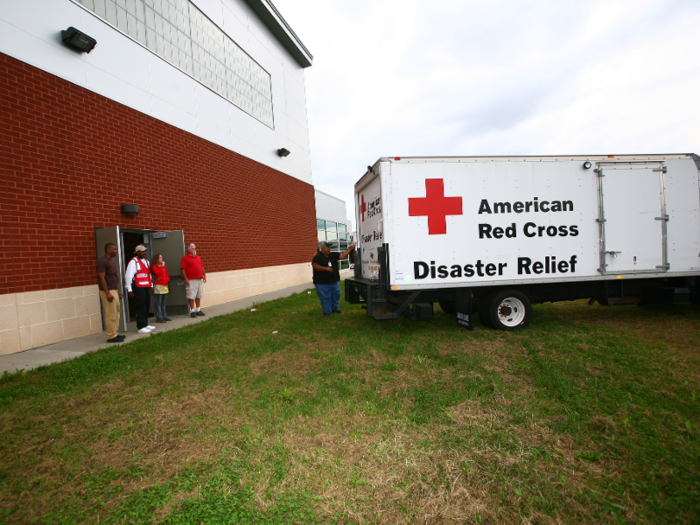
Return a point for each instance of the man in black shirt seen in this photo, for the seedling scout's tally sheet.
(327, 277)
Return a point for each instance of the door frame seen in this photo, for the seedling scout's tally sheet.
(126, 314)
(655, 166)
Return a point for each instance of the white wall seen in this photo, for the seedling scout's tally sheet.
(330, 208)
(125, 71)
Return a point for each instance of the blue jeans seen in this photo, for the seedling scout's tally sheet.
(329, 294)
(159, 299)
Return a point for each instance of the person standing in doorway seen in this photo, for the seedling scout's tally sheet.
(160, 287)
(140, 286)
(110, 294)
(327, 277)
(192, 270)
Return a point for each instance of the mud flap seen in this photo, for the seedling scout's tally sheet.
(463, 305)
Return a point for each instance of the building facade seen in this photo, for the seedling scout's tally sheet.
(185, 109)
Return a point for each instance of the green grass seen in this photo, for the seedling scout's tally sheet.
(591, 415)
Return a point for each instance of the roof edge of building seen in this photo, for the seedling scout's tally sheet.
(272, 18)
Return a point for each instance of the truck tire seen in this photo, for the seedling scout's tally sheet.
(449, 307)
(509, 310)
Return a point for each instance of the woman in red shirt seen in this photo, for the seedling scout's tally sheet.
(160, 287)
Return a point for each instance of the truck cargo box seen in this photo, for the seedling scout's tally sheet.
(550, 227)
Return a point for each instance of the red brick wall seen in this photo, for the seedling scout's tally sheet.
(70, 158)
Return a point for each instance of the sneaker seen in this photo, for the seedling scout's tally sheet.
(144, 330)
(162, 321)
(336, 312)
(168, 319)
(326, 313)
(200, 313)
(193, 314)
(122, 337)
(115, 340)
(151, 327)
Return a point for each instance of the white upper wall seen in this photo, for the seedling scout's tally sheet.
(123, 70)
(330, 208)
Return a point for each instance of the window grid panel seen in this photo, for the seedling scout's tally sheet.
(100, 9)
(181, 34)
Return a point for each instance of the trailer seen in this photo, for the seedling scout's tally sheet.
(495, 235)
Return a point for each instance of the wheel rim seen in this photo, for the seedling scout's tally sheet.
(511, 312)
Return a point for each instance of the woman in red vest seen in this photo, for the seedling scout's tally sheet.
(160, 287)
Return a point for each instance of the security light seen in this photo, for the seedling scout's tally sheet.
(78, 40)
(130, 209)
(282, 152)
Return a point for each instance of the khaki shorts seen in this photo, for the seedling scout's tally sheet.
(195, 289)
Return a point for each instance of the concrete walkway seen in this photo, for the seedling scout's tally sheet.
(46, 355)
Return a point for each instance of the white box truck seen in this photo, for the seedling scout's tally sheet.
(503, 233)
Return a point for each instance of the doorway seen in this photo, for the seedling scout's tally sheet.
(171, 244)
(130, 240)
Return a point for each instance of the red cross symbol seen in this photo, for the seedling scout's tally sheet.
(435, 205)
(363, 207)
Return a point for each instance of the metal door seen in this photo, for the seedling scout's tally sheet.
(171, 245)
(111, 234)
(632, 217)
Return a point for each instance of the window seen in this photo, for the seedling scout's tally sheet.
(335, 233)
(181, 34)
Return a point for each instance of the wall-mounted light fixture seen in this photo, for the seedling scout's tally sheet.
(130, 209)
(78, 40)
(587, 165)
(282, 152)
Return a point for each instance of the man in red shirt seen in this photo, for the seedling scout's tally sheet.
(192, 270)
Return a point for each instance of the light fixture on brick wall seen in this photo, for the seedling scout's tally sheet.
(130, 209)
(283, 152)
(78, 40)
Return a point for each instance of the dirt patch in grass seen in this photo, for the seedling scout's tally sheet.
(305, 362)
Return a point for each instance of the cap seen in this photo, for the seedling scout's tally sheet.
(325, 243)
(140, 248)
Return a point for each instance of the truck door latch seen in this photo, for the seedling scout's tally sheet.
(614, 254)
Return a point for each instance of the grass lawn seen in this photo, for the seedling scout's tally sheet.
(281, 416)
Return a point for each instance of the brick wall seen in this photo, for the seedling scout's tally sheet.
(70, 158)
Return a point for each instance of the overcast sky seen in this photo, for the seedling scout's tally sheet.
(495, 77)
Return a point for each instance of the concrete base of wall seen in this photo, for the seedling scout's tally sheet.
(223, 287)
(34, 319)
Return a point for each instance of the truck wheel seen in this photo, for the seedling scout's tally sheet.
(510, 310)
(449, 307)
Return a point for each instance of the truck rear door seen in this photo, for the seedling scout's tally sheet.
(370, 226)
